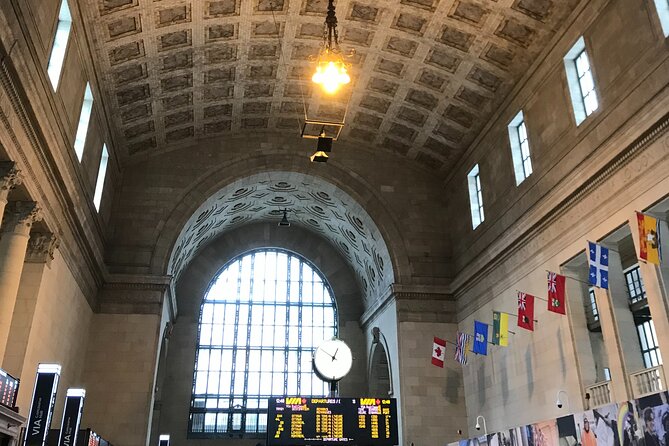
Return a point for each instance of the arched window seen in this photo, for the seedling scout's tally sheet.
(262, 316)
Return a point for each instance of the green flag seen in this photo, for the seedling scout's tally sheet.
(500, 328)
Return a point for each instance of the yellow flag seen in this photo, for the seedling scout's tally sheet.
(649, 238)
(500, 328)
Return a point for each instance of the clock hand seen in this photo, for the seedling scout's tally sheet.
(331, 356)
(334, 357)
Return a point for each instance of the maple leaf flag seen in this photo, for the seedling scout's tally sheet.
(525, 311)
(556, 296)
(438, 350)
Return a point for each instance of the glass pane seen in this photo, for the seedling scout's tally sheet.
(269, 367)
(642, 337)
(215, 360)
(203, 359)
(254, 360)
(222, 422)
(226, 359)
(210, 422)
(582, 64)
(236, 421)
(591, 103)
(251, 422)
(262, 422)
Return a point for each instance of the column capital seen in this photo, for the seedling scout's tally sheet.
(19, 216)
(10, 176)
(41, 246)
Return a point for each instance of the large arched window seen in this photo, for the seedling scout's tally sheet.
(260, 320)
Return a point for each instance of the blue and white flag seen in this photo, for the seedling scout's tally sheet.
(598, 258)
(480, 338)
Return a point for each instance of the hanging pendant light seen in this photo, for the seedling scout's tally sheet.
(331, 70)
(284, 221)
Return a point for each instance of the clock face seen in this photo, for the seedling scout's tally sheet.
(332, 360)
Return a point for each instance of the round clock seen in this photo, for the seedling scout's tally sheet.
(332, 360)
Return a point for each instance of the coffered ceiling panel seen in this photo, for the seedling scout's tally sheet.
(427, 74)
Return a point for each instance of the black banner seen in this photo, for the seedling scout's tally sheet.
(41, 408)
(69, 428)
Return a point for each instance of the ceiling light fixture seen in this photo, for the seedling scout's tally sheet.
(284, 220)
(322, 148)
(331, 72)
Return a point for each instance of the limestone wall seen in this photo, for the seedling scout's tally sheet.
(587, 181)
(119, 376)
(50, 325)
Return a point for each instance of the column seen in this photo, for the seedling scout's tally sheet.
(618, 328)
(9, 178)
(15, 232)
(40, 251)
(656, 293)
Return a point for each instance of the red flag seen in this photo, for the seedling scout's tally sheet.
(438, 349)
(556, 299)
(525, 311)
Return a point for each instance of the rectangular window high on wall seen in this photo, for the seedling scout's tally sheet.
(102, 173)
(662, 7)
(581, 81)
(84, 119)
(520, 148)
(475, 196)
(57, 56)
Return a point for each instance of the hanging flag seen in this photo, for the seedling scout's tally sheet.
(525, 311)
(480, 338)
(556, 294)
(500, 328)
(438, 349)
(649, 238)
(598, 259)
(461, 347)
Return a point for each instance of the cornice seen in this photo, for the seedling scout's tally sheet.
(397, 293)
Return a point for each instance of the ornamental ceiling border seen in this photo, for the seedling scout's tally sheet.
(314, 204)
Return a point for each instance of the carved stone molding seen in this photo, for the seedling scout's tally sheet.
(10, 176)
(19, 216)
(41, 247)
(133, 294)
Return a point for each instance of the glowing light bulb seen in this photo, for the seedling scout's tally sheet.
(331, 74)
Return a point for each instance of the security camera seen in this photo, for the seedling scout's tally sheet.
(478, 426)
(558, 403)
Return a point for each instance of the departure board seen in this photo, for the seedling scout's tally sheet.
(9, 386)
(329, 421)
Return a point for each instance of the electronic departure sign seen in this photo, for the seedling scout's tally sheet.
(9, 387)
(296, 421)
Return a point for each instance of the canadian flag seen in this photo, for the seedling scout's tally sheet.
(438, 350)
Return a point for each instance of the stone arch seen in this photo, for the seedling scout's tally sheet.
(355, 189)
(380, 379)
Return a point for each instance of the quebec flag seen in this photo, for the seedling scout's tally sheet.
(598, 258)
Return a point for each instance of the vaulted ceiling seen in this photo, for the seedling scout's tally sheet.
(427, 74)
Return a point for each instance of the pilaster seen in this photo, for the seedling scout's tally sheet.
(41, 246)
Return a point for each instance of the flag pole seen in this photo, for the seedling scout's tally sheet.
(572, 278)
(515, 315)
(536, 297)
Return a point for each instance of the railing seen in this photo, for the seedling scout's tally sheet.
(600, 394)
(647, 381)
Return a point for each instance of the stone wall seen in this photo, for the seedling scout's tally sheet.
(119, 376)
(587, 181)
